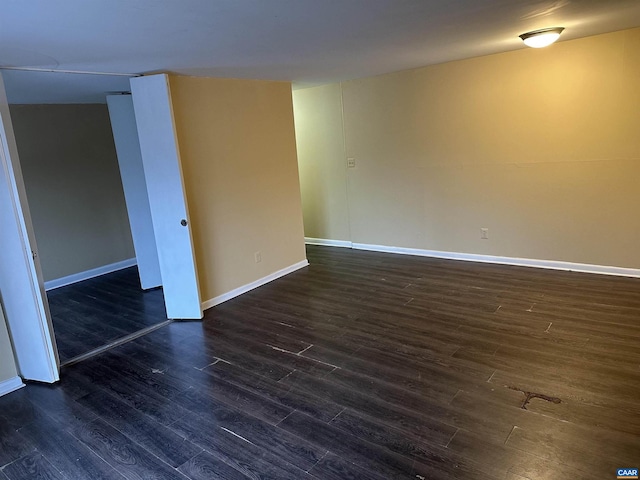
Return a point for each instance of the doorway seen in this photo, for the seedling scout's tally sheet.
(79, 214)
(159, 185)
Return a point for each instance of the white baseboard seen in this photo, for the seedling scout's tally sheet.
(250, 286)
(328, 243)
(473, 257)
(10, 385)
(94, 272)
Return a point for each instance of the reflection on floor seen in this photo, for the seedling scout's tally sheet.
(98, 311)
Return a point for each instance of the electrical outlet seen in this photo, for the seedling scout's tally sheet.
(351, 162)
(258, 257)
(484, 233)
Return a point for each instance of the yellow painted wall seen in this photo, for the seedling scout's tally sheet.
(238, 153)
(319, 131)
(542, 147)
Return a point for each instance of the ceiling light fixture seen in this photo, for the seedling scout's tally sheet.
(541, 38)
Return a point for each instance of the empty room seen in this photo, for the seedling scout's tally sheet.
(371, 239)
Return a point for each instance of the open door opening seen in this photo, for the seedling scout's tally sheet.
(90, 311)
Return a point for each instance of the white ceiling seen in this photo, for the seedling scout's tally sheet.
(309, 42)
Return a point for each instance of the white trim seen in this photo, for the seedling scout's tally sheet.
(250, 286)
(328, 243)
(81, 72)
(10, 385)
(473, 257)
(87, 274)
(522, 262)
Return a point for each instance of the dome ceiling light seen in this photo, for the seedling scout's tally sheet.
(541, 38)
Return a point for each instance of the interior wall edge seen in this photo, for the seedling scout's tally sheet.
(212, 302)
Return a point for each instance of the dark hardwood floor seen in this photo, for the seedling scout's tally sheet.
(96, 312)
(361, 366)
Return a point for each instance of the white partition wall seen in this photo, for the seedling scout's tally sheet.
(125, 136)
(167, 200)
(21, 285)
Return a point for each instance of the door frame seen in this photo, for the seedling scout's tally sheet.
(26, 307)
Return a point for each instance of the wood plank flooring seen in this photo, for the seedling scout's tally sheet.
(362, 366)
(96, 312)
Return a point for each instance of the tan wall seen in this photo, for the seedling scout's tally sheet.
(7, 362)
(73, 186)
(539, 146)
(323, 183)
(238, 153)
